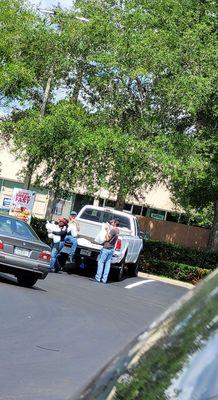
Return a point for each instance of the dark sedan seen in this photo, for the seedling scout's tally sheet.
(22, 253)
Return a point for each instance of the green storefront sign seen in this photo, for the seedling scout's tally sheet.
(158, 216)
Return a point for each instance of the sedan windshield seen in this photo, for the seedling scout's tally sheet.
(16, 228)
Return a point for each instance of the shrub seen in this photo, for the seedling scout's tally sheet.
(39, 227)
(174, 270)
(175, 253)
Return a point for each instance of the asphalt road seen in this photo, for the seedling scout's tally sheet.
(56, 336)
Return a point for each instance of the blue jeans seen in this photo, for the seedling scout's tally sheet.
(104, 264)
(73, 242)
(54, 253)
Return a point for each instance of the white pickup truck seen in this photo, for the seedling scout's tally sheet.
(128, 246)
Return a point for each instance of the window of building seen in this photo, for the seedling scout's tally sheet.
(109, 203)
(81, 201)
(127, 207)
(58, 209)
(137, 210)
(101, 202)
(144, 211)
(172, 216)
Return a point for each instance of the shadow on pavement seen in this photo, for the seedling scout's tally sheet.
(11, 280)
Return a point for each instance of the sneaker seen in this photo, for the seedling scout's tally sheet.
(94, 280)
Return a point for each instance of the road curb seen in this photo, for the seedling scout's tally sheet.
(166, 280)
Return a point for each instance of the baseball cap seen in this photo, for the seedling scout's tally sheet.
(73, 213)
(64, 220)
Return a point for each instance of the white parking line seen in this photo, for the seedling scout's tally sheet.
(138, 283)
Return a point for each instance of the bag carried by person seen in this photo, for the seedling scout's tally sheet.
(52, 227)
(101, 236)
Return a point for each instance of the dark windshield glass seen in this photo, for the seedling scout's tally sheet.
(91, 214)
(16, 228)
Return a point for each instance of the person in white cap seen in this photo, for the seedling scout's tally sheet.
(72, 233)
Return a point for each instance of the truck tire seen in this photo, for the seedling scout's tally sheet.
(27, 280)
(119, 271)
(133, 269)
(71, 268)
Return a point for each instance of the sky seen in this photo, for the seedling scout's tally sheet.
(51, 3)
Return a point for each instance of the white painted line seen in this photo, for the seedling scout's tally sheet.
(138, 283)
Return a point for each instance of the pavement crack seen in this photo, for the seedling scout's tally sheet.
(46, 348)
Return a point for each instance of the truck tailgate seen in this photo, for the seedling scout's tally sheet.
(89, 229)
(85, 242)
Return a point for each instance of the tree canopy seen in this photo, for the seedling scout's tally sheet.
(138, 80)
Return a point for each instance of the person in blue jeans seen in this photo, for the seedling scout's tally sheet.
(63, 255)
(69, 244)
(72, 233)
(56, 247)
(107, 251)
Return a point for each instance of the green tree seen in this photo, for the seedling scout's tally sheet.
(163, 83)
(15, 73)
(191, 172)
(33, 61)
(145, 71)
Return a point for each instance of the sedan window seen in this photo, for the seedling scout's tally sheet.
(23, 230)
(5, 225)
(12, 227)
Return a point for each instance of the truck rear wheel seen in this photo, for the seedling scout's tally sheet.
(133, 269)
(119, 271)
(71, 268)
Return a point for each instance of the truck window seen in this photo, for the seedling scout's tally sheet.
(124, 221)
(92, 214)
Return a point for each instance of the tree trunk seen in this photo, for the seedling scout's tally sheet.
(51, 204)
(77, 85)
(46, 93)
(120, 202)
(29, 173)
(31, 164)
(213, 239)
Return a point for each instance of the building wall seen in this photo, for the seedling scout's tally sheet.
(10, 166)
(158, 197)
(185, 235)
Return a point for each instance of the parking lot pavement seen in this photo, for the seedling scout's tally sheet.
(56, 336)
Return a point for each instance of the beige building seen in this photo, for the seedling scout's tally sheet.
(155, 204)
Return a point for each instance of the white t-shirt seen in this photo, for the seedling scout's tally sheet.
(72, 228)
